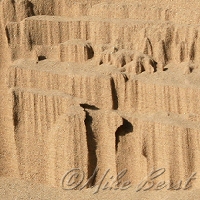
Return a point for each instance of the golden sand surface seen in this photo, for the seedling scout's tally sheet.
(112, 86)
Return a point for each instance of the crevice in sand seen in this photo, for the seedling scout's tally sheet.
(114, 95)
(123, 130)
(87, 106)
(92, 147)
(15, 110)
(40, 58)
(7, 34)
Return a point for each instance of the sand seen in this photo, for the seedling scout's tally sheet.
(107, 85)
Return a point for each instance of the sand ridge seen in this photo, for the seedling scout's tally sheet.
(99, 84)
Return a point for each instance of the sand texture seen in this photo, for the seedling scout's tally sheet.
(99, 85)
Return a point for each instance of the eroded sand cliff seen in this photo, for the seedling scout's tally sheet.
(89, 84)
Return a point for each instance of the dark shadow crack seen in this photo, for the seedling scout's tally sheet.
(123, 130)
(92, 147)
(114, 95)
(87, 106)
